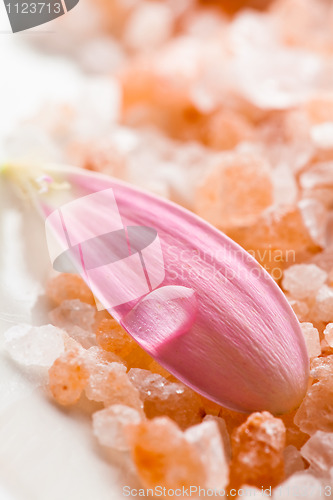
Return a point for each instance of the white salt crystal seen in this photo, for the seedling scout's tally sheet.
(318, 451)
(207, 439)
(312, 341)
(38, 345)
(109, 425)
(322, 135)
(324, 304)
(223, 431)
(303, 280)
(301, 309)
(298, 486)
(149, 26)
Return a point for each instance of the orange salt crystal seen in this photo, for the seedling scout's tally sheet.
(232, 6)
(155, 367)
(257, 451)
(69, 286)
(225, 129)
(68, 377)
(209, 406)
(320, 108)
(162, 397)
(316, 410)
(294, 436)
(138, 358)
(232, 418)
(283, 229)
(112, 337)
(236, 192)
(162, 455)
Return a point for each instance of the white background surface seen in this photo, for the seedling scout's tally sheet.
(45, 453)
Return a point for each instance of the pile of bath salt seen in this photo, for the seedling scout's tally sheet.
(174, 437)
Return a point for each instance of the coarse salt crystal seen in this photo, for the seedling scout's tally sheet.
(34, 345)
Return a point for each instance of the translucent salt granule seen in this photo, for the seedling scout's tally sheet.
(316, 410)
(68, 377)
(163, 456)
(324, 304)
(77, 318)
(207, 439)
(303, 280)
(74, 312)
(109, 383)
(109, 425)
(257, 448)
(68, 286)
(162, 397)
(318, 451)
(301, 308)
(113, 338)
(34, 345)
(328, 332)
(311, 336)
(292, 460)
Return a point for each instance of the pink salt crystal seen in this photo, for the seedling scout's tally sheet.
(74, 312)
(301, 309)
(316, 410)
(312, 341)
(328, 332)
(225, 201)
(163, 456)
(109, 383)
(318, 451)
(77, 319)
(292, 460)
(109, 425)
(207, 440)
(303, 280)
(162, 397)
(34, 345)
(324, 304)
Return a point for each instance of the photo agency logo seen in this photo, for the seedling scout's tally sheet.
(24, 15)
(120, 263)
